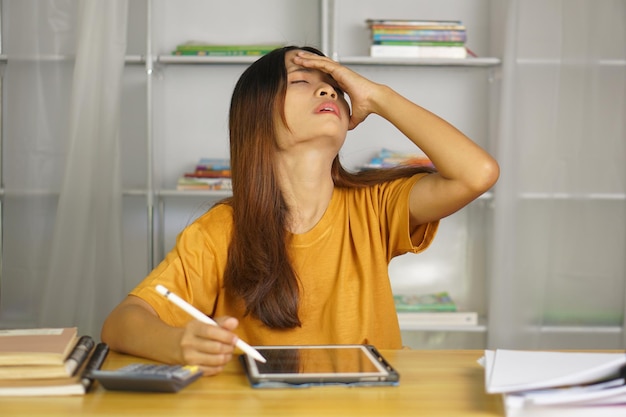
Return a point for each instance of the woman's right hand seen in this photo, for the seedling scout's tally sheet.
(209, 347)
(134, 328)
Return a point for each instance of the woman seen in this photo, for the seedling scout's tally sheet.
(299, 254)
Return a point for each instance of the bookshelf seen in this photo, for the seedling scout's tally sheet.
(175, 111)
(474, 79)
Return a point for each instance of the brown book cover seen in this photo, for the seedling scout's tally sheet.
(78, 384)
(40, 346)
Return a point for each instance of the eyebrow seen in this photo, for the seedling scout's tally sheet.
(299, 69)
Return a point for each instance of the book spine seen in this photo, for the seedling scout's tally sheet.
(407, 51)
(401, 42)
(406, 22)
(440, 301)
(209, 174)
(220, 53)
(212, 164)
(420, 38)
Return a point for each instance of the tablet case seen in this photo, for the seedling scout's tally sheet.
(391, 379)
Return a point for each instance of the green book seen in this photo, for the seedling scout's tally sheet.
(193, 48)
(440, 301)
(254, 52)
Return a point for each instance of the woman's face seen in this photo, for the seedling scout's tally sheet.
(316, 111)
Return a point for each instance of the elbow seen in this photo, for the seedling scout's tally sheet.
(486, 176)
(107, 335)
(115, 327)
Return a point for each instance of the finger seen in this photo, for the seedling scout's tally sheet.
(214, 333)
(229, 323)
(200, 339)
(311, 60)
(206, 351)
(210, 370)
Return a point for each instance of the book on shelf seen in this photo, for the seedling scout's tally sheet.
(79, 383)
(412, 23)
(421, 36)
(210, 49)
(417, 38)
(213, 163)
(387, 158)
(556, 383)
(409, 42)
(433, 309)
(433, 302)
(209, 174)
(199, 184)
(438, 318)
(418, 51)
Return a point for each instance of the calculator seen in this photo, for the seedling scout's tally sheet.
(145, 377)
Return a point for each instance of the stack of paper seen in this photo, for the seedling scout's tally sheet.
(557, 383)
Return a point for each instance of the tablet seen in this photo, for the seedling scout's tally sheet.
(297, 366)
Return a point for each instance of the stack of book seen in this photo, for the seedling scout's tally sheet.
(397, 38)
(436, 309)
(386, 158)
(209, 174)
(47, 361)
(209, 49)
(551, 383)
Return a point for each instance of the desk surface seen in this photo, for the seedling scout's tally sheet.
(432, 383)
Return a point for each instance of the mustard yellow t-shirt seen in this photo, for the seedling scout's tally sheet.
(342, 265)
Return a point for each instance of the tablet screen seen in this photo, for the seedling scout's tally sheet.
(352, 360)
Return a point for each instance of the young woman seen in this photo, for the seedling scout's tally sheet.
(299, 254)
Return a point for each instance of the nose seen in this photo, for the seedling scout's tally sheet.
(326, 90)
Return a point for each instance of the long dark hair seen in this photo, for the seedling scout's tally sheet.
(258, 269)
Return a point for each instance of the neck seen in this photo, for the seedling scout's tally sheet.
(307, 187)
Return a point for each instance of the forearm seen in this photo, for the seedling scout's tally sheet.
(134, 330)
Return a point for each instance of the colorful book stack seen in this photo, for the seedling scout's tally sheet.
(396, 38)
(387, 159)
(208, 49)
(431, 309)
(209, 174)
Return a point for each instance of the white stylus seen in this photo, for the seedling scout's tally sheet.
(198, 315)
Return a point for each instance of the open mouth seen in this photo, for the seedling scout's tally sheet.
(328, 108)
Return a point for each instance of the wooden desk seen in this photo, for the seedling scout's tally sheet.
(432, 383)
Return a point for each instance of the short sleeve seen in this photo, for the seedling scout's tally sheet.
(395, 206)
(193, 269)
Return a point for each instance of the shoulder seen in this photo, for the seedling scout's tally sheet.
(220, 212)
(392, 189)
(215, 225)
